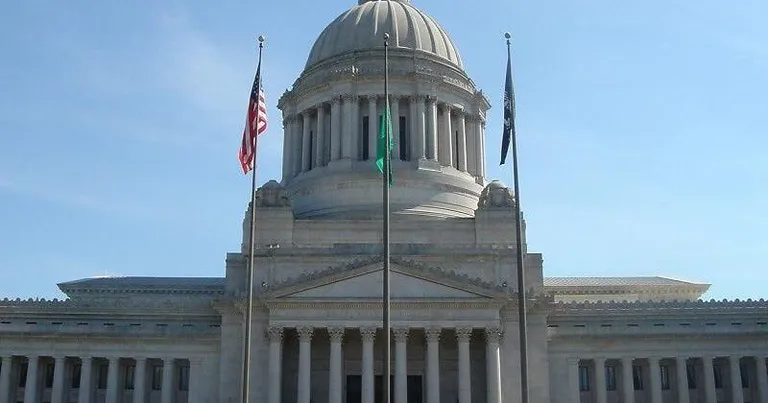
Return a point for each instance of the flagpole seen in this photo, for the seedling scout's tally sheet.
(385, 186)
(246, 381)
(521, 299)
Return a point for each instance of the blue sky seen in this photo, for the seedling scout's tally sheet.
(642, 132)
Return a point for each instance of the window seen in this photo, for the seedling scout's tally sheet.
(718, 369)
(101, 379)
(691, 376)
(157, 377)
(637, 376)
(130, 375)
(610, 377)
(664, 377)
(403, 140)
(76, 368)
(365, 140)
(583, 379)
(48, 375)
(184, 378)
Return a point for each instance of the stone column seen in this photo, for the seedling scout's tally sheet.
(463, 335)
(86, 374)
(628, 382)
(140, 380)
(30, 390)
(350, 138)
(493, 337)
(320, 137)
(372, 127)
(762, 378)
(461, 142)
(445, 145)
(335, 129)
(574, 393)
(433, 365)
(654, 372)
(305, 364)
(472, 160)
(296, 152)
(431, 128)
(682, 379)
(5, 377)
(167, 392)
(197, 385)
(600, 388)
(418, 138)
(334, 370)
(306, 149)
(275, 334)
(401, 365)
(368, 335)
(286, 146)
(112, 378)
(57, 392)
(737, 391)
(710, 395)
(481, 136)
(395, 115)
(353, 121)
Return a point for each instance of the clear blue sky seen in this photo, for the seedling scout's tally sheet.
(642, 132)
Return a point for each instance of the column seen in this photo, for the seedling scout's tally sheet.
(469, 121)
(737, 392)
(465, 388)
(305, 363)
(350, 138)
(353, 123)
(627, 380)
(341, 149)
(140, 384)
(401, 365)
(334, 369)
(444, 149)
(461, 142)
(481, 136)
(112, 378)
(286, 146)
(5, 377)
(296, 152)
(762, 378)
(682, 379)
(306, 149)
(493, 336)
(86, 374)
(30, 391)
(57, 392)
(275, 334)
(196, 390)
(431, 127)
(320, 137)
(395, 113)
(655, 374)
(373, 124)
(418, 136)
(709, 380)
(167, 392)
(574, 393)
(433, 365)
(368, 335)
(600, 380)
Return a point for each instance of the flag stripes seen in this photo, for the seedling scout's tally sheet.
(255, 123)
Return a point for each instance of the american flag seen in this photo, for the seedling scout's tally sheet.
(255, 123)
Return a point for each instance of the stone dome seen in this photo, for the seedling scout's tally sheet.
(363, 26)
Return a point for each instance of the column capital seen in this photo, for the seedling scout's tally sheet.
(319, 105)
(431, 100)
(599, 359)
(371, 97)
(395, 97)
(433, 334)
(401, 334)
(736, 357)
(573, 360)
(336, 100)
(336, 334)
(305, 333)
(493, 334)
(368, 333)
(348, 97)
(275, 333)
(112, 358)
(464, 333)
(417, 97)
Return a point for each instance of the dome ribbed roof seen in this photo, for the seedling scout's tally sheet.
(362, 28)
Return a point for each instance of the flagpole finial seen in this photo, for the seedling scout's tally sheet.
(508, 36)
(261, 40)
(386, 38)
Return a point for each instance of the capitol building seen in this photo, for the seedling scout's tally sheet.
(317, 330)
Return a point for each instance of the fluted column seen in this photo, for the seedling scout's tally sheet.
(710, 395)
(465, 387)
(445, 145)
(112, 378)
(762, 378)
(431, 129)
(628, 383)
(86, 374)
(394, 102)
(433, 365)
(372, 126)
(737, 391)
(401, 365)
(654, 372)
(30, 389)
(275, 334)
(368, 335)
(461, 142)
(600, 388)
(349, 139)
(167, 387)
(472, 160)
(57, 391)
(334, 370)
(418, 136)
(5, 377)
(574, 393)
(320, 136)
(493, 337)
(682, 379)
(140, 380)
(305, 364)
(306, 148)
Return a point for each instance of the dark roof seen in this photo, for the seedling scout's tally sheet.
(148, 282)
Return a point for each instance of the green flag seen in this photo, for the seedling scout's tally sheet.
(385, 144)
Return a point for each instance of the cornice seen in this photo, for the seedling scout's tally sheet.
(352, 304)
(659, 307)
(110, 305)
